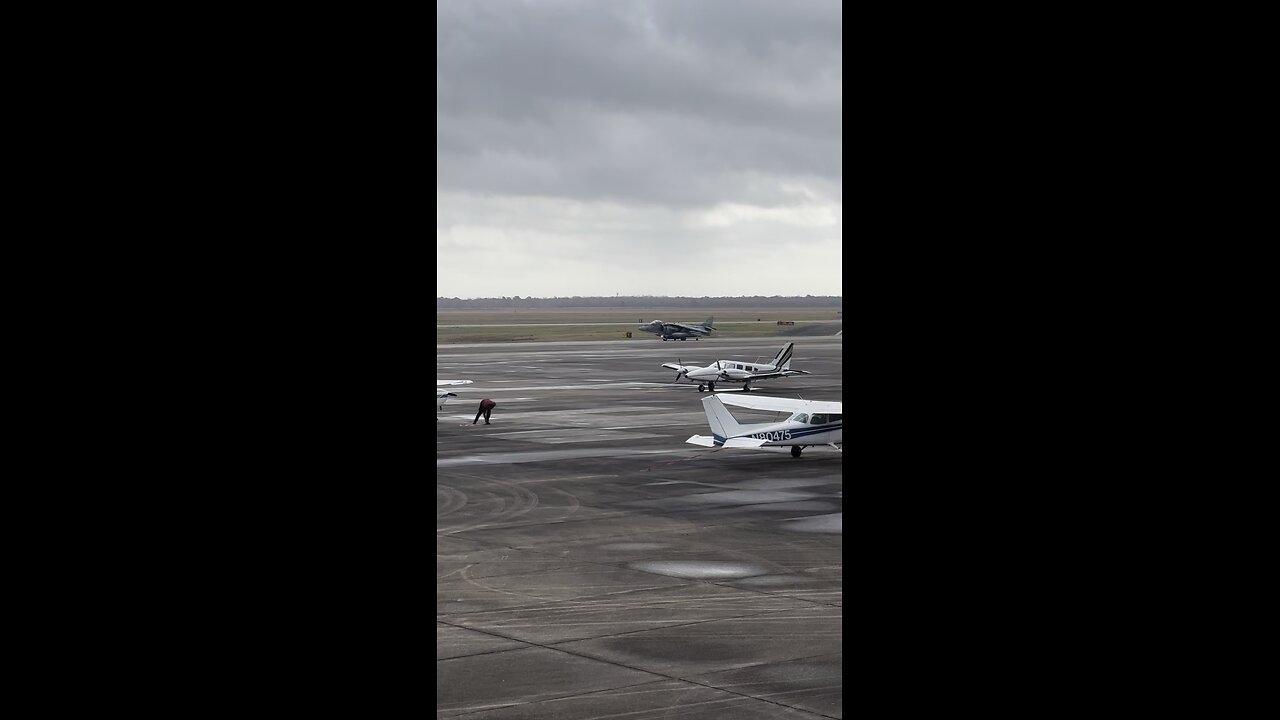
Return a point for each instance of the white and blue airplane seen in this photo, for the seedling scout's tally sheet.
(679, 331)
(442, 396)
(808, 423)
(737, 371)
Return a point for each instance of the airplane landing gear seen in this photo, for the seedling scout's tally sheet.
(701, 388)
(746, 387)
(795, 451)
(711, 387)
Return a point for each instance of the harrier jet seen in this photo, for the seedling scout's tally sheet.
(677, 331)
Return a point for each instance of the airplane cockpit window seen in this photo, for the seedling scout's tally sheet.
(834, 417)
(818, 419)
(800, 418)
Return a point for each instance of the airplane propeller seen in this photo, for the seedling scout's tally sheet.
(684, 371)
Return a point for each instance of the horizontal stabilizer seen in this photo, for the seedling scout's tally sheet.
(703, 440)
(742, 442)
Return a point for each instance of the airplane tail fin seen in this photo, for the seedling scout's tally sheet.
(709, 322)
(782, 360)
(721, 422)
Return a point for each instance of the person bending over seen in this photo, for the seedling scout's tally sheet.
(486, 409)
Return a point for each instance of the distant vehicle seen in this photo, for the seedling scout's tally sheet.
(737, 371)
(679, 331)
(442, 396)
(811, 422)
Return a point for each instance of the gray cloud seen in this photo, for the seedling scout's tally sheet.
(644, 117)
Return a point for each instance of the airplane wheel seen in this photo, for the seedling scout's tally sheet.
(795, 451)
(701, 388)
(711, 387)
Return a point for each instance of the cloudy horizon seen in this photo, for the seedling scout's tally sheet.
(659, 148)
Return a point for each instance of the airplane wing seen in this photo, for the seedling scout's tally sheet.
(679, 368)
(453, 382)
(779, 404)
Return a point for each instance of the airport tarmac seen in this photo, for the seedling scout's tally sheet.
(591, 564)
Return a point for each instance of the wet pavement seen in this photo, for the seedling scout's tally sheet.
(590, 563)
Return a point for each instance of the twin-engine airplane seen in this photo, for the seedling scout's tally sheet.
(677, 331)
(442, 396)
(735, 371)
(811, 422)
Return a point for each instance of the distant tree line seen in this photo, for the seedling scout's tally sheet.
(760, 301)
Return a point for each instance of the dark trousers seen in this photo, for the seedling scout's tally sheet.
(486, 412)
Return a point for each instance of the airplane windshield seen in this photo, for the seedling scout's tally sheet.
(801, 418)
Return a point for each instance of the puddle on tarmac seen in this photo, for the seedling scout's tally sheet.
(769, 580)
(792, 506)
(747, 497)
(833, 523)
(699, 569)
(633, 546)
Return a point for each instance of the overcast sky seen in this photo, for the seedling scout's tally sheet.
(601, 147)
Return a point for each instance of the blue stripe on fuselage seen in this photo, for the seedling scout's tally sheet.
(815, 430)
(795, 434)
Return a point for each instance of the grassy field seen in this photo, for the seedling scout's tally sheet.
(529, 325)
